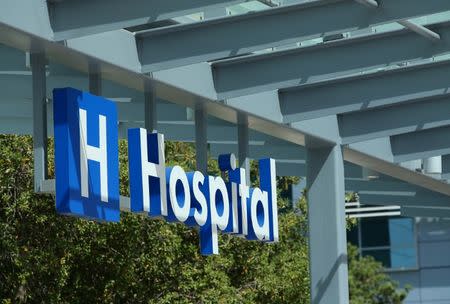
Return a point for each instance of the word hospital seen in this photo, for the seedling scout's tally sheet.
(87, 177)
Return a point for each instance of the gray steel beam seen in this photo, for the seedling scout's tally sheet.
(38, 62)
(270, 71)
(327, 227)
(95, 80)
(243, 144)
(71, 19)
(163, 48)
(445, 167)
(288, 152)
(31, 16)
(404, 198)
(421, 144)
(357, 185)
(150, 108)
(201, 138)
(396, 119)
(425, 212)
(407, 147)
(128, 111)
(367, 91)
(379, 148)
(118, 47)
(135, 111)
(185, 131)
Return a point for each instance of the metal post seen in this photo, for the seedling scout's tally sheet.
(150, 108)
(38, 62)
(201, 139)
(445, 166)
(327, 227)
(244, 161)
(95, 80)
(421, 30)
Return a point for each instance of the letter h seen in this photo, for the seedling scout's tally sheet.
(147, 169)
(86, 155)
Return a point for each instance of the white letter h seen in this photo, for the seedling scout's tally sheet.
(93, 153)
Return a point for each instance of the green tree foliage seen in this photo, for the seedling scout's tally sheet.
(49, 258)
(368, 284)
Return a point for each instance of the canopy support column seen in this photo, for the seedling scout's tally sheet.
(38, 62)
(150, 108)
(95, 80)
(327, 226)
(244, 161)
(201, 139)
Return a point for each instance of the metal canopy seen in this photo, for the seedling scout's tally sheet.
(71, 19)
(359, 92)
(270, 71)
(237, 35)
(386, 48)
(313, 84)
(392, 120)
(78, 61)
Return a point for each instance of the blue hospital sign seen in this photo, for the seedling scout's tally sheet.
(86, 157)
(192, 198)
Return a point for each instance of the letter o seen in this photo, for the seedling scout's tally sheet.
(178, 175)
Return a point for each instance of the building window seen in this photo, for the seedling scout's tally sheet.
(390, 240)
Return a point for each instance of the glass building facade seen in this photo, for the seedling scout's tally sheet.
(391, 241)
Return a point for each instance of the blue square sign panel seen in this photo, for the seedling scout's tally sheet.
(86, 155)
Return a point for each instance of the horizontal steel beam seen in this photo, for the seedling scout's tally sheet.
(393, 120)
(79, 18)
(118, 47)
(185, 131)
(258, 149)
(288, 152)
(421, 144)
(356, 185)
(237, 35)
(360, 92)
(127, 111)
(30, 16)
(382, 166)
(417, 199)
(425, 212)
(173, 130)
(298, 66)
